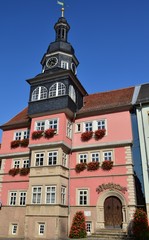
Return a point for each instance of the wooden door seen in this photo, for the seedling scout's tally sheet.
(113, 212)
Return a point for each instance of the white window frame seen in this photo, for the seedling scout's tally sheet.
(88, 227)
(57, 89)
(39, 159)
(50, 197)
(83, 157)
(36, 195)
(46, 124)
(83, 197)
(72, 93)
(17, 163)
(26, 163)
(88, 126)
(101, 124)
(78, 127)
(108, 155)
(69, 129)
(23, 134)
(63, 195)
(64, 64)
(13, 198)
(95, 157)
(14, 229)
(64, 159)
(40, 125)
(54, 158)
(39, 93)
(53, 123)
(41, 229)
(22, 198)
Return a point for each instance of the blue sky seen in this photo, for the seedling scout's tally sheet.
(110, 38)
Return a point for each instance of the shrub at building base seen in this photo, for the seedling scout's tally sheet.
(78, 228)
(140, 225)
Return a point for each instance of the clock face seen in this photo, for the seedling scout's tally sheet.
(51, 62)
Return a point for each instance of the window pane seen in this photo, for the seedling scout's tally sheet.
(88, 126)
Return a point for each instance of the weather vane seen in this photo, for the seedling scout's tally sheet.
(62, 4)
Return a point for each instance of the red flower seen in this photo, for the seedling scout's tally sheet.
(49, 133)
(91, 166)
(86, 136)
(107, 165)
(24, 171)
(24, 142)
(15, 143)
(37, 134)
(80, 167)
(100, 133)
(14, 171)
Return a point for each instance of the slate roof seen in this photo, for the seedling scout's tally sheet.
(143, 96)
(111, 101)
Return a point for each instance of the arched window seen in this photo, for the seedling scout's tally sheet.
(57, 89)
(72, 93)
(39, 93)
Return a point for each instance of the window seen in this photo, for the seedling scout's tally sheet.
(64, 159)
(52, 158)
(88, 126)
(69, 129)
(21, 135)
(57, 89)
(22, 200)
(107, 155)
(40, 125)
(78, 127)
(26, 163)
(39, 93)
(14, 229)
(39, 158)
(95, 157)
(64, 64)
(72, 93)
(13, 198)
(88, 227)
(63, 195)
(53, 123)
(36, 195)
(51, 194)
(0, 164)
(16, 164)
(83, 197)
(41, 228)
(82, 158)
(101, 124)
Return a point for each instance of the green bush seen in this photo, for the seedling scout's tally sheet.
(78, 228)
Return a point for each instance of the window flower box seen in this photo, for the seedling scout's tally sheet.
(49, 133)
(37, 134)
(80, 167)
(100, 133)
(107, 165)
(15, 143)
(24, 171)
(91, 166)
(85, 136)
(24, 142)
(14, 171)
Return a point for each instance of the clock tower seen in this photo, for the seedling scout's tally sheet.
(57, 88)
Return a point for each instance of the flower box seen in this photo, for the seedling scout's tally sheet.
(107, 165)
(86, 136)
(91, 166)
(14, 171)
(49, 133)
(24, 142)
(80, 167)
(100, 133)
(15, 143)
(24, 171)
(37, 134)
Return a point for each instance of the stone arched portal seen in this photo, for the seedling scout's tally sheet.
(101, 223)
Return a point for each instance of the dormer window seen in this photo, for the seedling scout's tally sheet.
(64, 64)
(57, 89)
(72, 93)
(39, 93)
